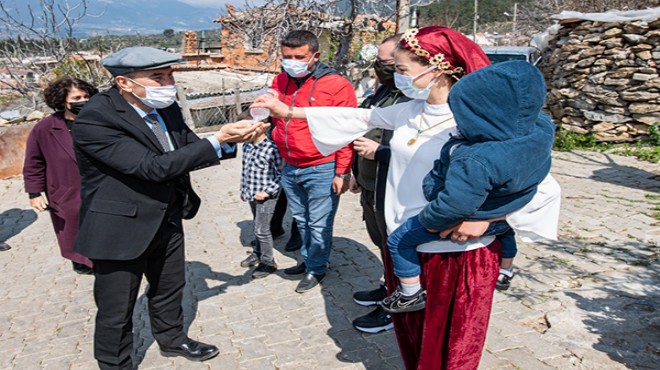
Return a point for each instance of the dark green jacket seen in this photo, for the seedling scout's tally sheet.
(364, 169)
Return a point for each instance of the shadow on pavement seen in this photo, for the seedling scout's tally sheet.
(614, 286)
(14, 221)
(353, 268)
(247, 232)
(196, 289)
(627, 323)
(619, 175)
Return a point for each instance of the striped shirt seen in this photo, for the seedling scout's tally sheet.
(262, 169)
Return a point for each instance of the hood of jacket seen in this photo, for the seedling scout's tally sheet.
(499, 102)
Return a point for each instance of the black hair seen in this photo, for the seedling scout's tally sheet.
(393, 38)
(298, 38)
(56, 92)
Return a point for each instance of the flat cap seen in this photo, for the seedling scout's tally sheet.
(139, 58)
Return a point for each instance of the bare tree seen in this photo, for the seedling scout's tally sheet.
(39, 45)
(263, 26)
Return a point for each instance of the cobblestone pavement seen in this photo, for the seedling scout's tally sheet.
(589, 301)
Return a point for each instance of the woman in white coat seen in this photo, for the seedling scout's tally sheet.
(459, 275)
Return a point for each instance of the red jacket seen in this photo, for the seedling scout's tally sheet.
(323, 88)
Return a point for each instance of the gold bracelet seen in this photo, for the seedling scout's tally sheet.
(289, 115)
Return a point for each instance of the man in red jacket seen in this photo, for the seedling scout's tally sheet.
(312, 182)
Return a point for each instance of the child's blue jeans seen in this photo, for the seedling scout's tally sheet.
(402, 244)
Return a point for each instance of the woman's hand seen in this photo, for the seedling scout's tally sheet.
(277, 108)
(353, 186)
(39, 203)
(240, 131)
(465, 230)
(366, 147)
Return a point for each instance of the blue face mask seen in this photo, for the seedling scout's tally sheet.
(406, 84)
(295, 68)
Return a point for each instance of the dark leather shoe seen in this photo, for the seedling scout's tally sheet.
(308, 282)
(294, 243)
(4, 247)
(192, 350)
(82, 269)
(298, 269)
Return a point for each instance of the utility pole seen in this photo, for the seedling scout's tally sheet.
(474, 25)
(515, 13)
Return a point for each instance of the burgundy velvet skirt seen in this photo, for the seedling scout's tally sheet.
(451, 332)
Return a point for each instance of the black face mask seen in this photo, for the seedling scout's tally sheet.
(76, 107)
(385, 74)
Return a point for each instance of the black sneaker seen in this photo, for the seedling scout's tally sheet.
(251, 260)
(504, 280)
(374, 322)
(4, 247)
(370, 297)
(263, 270)
(397, 302)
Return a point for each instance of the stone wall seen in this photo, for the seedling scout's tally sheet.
(13, 138)
(603, 78)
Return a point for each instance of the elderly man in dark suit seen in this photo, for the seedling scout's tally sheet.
(134, 152)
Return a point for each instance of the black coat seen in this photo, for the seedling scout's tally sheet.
(128, 181)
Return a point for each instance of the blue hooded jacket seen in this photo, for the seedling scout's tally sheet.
(502, 153)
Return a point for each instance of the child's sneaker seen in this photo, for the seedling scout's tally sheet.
(504, 279)
(251, 260)
(397, 302)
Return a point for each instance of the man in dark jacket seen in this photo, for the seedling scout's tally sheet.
(312, 182)
(370, 176)
(134, 152)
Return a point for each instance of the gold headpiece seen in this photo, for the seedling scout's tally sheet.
(438, 60)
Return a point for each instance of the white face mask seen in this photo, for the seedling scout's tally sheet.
(407, 86)
(158, 97)
(295, 68)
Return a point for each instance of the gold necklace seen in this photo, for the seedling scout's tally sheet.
(420, 131)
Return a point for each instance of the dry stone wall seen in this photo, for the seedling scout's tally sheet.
(603, 78)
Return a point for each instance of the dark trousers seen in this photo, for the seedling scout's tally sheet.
(116, 288)
(374, 219)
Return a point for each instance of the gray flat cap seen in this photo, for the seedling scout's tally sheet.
(139, 58)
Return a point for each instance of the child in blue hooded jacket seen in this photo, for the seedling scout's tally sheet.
(489, 170)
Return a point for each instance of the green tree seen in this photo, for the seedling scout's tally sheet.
(168, 32)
